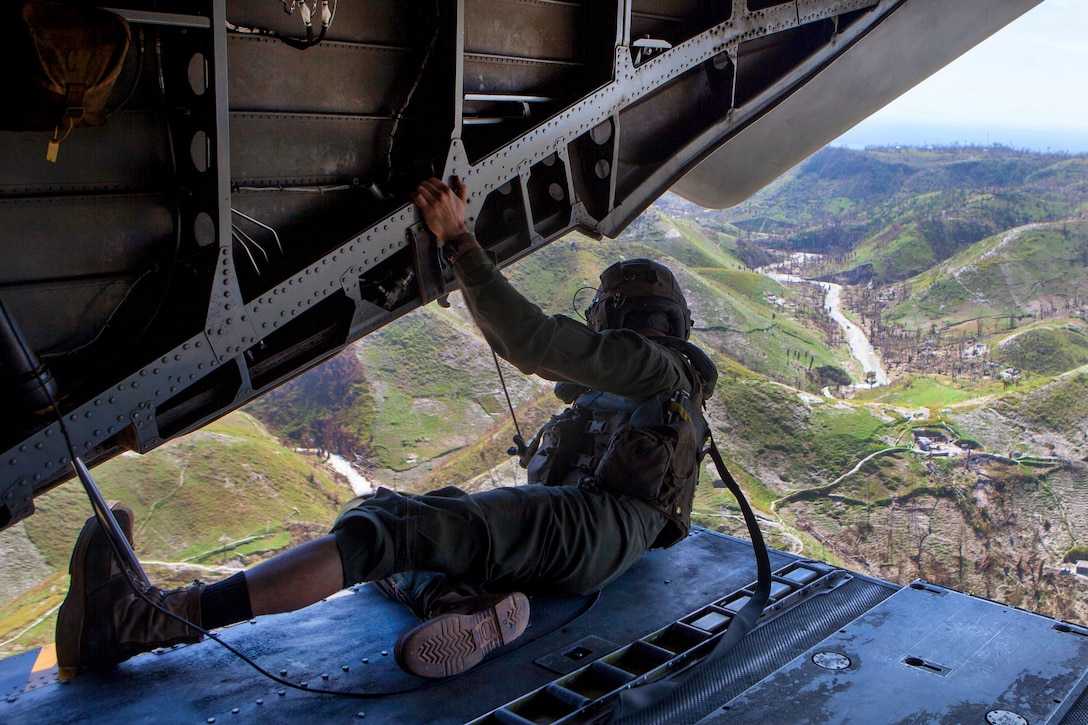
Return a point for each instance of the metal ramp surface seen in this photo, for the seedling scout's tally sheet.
(339, 644)
(833, 647)
(929, 655)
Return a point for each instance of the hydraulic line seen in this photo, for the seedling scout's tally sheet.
(33, 383)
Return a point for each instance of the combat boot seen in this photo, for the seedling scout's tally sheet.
(103, 621)
(456, 641)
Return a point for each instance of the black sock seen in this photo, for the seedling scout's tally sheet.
(225, 602)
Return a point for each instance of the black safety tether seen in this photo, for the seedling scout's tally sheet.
(641, 697)
(519, 448)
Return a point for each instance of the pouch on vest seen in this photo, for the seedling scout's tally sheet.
(636, 462)
(555, 447)
(62, 61)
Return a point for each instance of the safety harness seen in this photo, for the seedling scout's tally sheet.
(649, 448)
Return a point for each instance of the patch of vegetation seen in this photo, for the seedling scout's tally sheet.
(414, 351)
(230, 481)
(831, 375)
(1045, 351)
(553, 276)
(1000, 275)
(1060, 406)
(330, 407)
(768, 431)
(840, 437)
(927, 390)
(693, 246)
(1077, 553)
(749, 285)
(898, 252)
(29, 620)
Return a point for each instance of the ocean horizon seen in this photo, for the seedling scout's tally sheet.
(883, 133)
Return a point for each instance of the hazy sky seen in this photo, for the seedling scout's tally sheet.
(1026, 86)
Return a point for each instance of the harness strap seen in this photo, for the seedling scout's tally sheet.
(641, 697)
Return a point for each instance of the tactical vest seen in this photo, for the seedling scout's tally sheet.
(648, 448)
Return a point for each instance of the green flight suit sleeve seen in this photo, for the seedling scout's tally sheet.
(558, 347)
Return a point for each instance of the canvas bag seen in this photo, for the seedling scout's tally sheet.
(63, 61)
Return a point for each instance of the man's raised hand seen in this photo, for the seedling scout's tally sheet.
(442, 207)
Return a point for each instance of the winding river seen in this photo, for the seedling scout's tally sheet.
(860, 347)
(360, 484)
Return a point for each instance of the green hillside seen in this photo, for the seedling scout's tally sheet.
(180, 492)
(1032, 270)
(904, 209)
(1059, 407)
(791, 442)
(1046, 350)
(229, 494)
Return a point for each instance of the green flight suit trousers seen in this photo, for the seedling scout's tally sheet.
(550, 540)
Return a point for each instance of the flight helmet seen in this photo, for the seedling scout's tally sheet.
(639, 293)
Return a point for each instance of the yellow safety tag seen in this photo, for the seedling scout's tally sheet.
(680, 411)
(53, 148)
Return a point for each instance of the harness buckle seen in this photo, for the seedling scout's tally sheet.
(586, 463)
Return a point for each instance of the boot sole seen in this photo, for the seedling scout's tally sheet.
(452, 643)
(72, 609)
